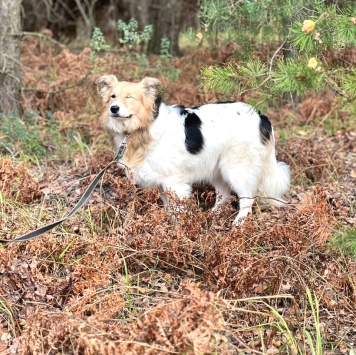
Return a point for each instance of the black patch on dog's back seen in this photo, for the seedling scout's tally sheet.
(194, 140)
(265, 129)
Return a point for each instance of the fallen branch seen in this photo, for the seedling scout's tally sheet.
(78, 83)
(44, 37)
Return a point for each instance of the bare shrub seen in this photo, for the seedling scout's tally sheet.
(16, 182)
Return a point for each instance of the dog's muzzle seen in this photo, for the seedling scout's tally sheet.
(115, 109)
(115, 112)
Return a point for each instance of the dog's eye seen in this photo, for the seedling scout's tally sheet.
(129, 97)
(113, 96)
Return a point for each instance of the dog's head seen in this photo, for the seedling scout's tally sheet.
(129, 106)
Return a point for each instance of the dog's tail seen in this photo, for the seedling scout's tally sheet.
(275, 180)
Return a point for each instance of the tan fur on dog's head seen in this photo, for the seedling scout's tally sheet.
(138, 105)
(105, 83)
(138, 101)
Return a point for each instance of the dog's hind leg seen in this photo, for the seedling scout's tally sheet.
(245, 204)
(243, 180)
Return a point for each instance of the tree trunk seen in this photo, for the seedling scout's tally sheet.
(165, 17)
(168, 17)
(10, 35)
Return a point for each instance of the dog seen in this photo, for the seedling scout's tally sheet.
(227, 144)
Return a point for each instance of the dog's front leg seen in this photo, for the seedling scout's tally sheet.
(163, 197)
(182, 191)
(222, 189)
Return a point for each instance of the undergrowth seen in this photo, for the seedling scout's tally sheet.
(345, 240)
(123, 275)
(35, 138)
(19, 134)
(149, 283)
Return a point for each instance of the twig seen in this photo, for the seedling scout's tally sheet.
(336, 106)
(84, 15)
(269, 70)
(335, 87)
(45, 37)
(266, 198)
(7, 149)
(78, 83)
(274, 55)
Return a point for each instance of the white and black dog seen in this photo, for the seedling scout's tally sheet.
(229, 145)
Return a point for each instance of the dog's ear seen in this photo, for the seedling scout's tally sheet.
(152, 87)
(154, 91)
(105, 83)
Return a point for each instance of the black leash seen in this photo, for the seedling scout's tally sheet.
(36, 233)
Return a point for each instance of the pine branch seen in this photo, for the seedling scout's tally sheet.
(323, 27)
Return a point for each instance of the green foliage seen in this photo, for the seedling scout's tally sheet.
(215, 14)
(334, 28)
(345, 240)
(286, 76)
(346, 28)
(312, 335)
(330, 27)
(234, 78)
(165, 49)
(15, 132)
(254, 21)
(315, 339)
(134, 42)
(163, 64)
(305, 42)
(131, 37)
(348, 82)
(98, 43)
(34, 138)
(295, 76)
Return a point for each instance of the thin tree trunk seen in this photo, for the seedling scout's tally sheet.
(167, 22)
(10, 35)
(168, 17)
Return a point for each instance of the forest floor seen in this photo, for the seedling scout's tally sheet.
(122, 276)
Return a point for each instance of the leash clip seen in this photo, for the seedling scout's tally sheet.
(122, 148)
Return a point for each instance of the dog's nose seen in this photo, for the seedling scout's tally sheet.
(115, 109)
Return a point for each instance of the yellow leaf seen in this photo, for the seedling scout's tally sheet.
(312, 63)
(308, 26)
